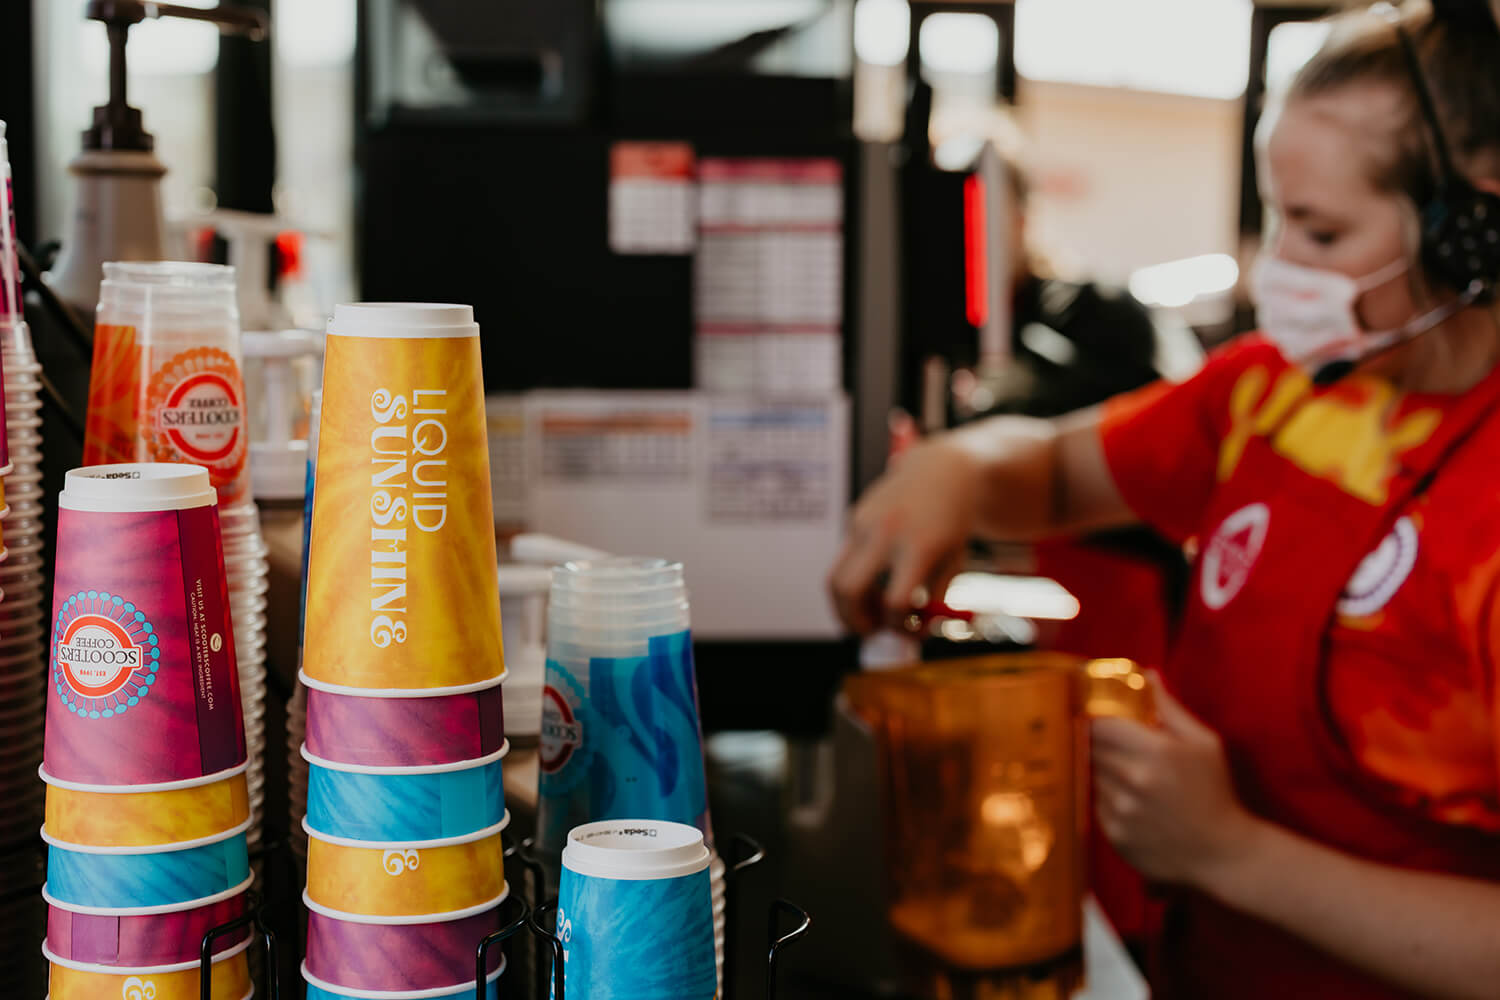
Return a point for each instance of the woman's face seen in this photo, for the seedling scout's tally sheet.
(1329, 214)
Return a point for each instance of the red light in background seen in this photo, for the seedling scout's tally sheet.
(976, 252)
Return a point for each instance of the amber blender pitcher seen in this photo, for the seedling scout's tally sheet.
(985, 769)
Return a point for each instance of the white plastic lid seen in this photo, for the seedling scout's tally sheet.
(533, 547)
(521, 581)
(635, 850)
(136, 486)
(402, 320)
(278, 471)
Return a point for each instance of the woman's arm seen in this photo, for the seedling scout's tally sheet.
(1008, 478)
(1165, 799)
(1438, 935)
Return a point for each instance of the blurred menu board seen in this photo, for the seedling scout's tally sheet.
(505, 425)
(768, 462)
(749, 493)
(622, 443)
(768, 276)
(652, 206)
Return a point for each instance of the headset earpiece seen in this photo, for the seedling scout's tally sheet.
(1461, 237)
(1460, 224)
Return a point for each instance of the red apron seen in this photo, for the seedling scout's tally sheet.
(1278, 548)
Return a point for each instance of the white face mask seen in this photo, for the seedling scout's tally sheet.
(1309, 313)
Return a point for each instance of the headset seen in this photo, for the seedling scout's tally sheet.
(1460, 223)
(1460, 241)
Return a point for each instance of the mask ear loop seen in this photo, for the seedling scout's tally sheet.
(1407, 263)
(1334, 370)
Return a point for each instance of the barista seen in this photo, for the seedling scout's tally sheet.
(1323, 791)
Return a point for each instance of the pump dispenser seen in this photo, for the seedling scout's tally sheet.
(117, 201)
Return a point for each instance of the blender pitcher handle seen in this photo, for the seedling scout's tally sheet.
(1116, 688)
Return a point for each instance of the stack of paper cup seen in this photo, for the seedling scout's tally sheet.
(166, 387)
(21, 640)
(21, 572)
(402, 663)
(147, 804)
(22, 661)
(621, 737)
(634, 912)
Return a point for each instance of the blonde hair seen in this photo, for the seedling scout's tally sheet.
(1458, 50)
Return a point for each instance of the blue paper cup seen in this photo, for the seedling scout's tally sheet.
(620, 738)
(134, 877)
(384, 804)
(635, 912)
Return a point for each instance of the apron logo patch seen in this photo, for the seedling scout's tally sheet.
(1381, 573)
(1231, 554)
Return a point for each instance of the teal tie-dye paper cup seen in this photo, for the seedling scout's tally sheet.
(635, 912)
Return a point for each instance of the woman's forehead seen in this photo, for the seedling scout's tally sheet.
(1331, 146)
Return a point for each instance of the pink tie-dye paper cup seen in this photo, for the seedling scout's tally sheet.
(143, 686)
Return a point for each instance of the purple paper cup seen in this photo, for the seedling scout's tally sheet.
(141, 936)
(319, 990)
(349, 728)
(143, 684)
(69, 980)
(398, 954)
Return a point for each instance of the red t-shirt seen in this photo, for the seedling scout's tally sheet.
(1409, 673)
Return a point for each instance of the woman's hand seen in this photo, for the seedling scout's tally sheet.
(1164, 796)
(908, 531)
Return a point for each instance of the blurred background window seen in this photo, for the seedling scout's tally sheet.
(1199, 48)
(313, 72)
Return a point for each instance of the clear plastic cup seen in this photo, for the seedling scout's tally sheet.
(617, 574)
(622, 603)
(166, 380)
(604, 621)
(579, 641)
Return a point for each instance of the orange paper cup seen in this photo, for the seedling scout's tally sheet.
(125, 818)
(405, 879)
(403, 496)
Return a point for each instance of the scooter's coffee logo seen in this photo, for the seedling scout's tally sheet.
(1231, 554)
(203, 416)
(105, 654)
(562, 731)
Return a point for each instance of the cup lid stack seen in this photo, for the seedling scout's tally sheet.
(405, 738)
(147, 804)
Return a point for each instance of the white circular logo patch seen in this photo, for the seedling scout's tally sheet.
(1381, 573)
(1231, 554)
